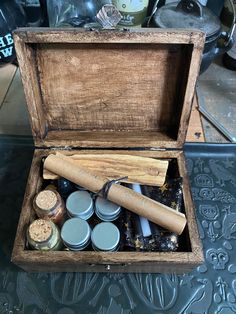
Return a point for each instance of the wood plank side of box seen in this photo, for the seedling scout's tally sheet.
(91, 92)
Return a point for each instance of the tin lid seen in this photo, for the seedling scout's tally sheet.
(80, 204)
(188, 14)
(105, 236)
(75, 232)
(106, 210)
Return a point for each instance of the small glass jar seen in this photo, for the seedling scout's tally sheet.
(106, 210)
(105, 237)
(80, 204)
(48, 204)
(75, 234)
(44, 235)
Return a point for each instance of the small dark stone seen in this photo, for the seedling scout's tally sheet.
(65, 187)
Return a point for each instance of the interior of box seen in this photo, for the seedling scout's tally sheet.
(173, 172)
(118, 92)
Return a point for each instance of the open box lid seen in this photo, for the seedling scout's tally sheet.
(113, 88)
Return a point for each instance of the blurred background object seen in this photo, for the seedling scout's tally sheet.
(154, 3)
(191, 14)
(74, 13)
(229, 58)
(133, 12)
(36, 12)
(215, 18)
(12, 15)
(215, 6)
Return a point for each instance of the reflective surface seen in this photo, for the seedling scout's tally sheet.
(210, 288)
(73, 13)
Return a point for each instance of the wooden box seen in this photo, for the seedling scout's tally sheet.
(106, 92)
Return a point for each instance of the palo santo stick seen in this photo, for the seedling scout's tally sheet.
(141, 170)
(156, 212)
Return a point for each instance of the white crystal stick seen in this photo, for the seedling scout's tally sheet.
(146, 230)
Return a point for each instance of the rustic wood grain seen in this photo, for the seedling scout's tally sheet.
(29, 76)
(79, 35)
(195, 131)
(79, 83)
(104, 262)
(178, 262)
(192, 74)
(109, 88)
(190, 214)
(108, 139)
(142, 170)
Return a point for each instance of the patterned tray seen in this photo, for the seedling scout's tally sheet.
(210, 288)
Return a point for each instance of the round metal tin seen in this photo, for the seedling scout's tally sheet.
(75, 234)
(106, 210)
(80, 204)
(105, 237)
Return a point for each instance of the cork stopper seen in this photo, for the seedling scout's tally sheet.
(40, 230)
(46, 200)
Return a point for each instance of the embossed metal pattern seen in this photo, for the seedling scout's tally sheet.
(210, 288)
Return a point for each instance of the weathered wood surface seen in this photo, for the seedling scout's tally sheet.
(76, 82)
(178, 262)
(195, 131)
(118, 262)
(109, 139)
(109, 88)
(79, 35)
(29, 76)
(142, 170)
(18, 122)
